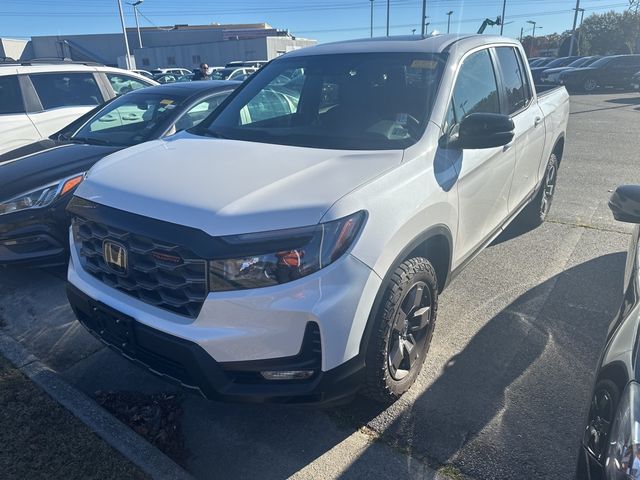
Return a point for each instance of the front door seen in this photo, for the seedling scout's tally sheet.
(484, 175)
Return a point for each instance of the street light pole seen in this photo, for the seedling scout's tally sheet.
(371, 18)
(424, 17)
(533, 35)
(521, 32)
(124, 33)
(135, 6)
(388, 8)
(573, 30)
(449, 20)
(504, 8)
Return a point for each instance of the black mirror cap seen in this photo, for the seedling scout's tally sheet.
(485, 130)
(625, 203)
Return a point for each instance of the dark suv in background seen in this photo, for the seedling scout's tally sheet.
(613, 71)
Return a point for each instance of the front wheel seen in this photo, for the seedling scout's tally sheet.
(403, 328)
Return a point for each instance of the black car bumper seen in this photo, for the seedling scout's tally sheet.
(37, 237)
(189, 365)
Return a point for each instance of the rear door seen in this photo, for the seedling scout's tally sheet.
(16, 129)
(63, 97)
(621, 70)
(529, 138)
(485, 175)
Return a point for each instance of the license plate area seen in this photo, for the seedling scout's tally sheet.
(114, 328)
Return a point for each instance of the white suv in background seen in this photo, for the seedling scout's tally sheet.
(37, 100)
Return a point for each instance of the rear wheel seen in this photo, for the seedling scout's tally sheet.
(536, 212)
(589, 85)
(403, 329)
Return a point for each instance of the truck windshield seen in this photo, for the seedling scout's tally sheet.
(348, 101)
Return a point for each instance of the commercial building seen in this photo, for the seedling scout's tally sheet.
(178, 45)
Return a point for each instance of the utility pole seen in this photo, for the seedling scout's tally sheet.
(424, 17)
(449, 20)
(504, 7)
(371, 18)
(135, 6)
(580, 29)
(573, 30)
(521, 32)
(388, 8)
(124, 33)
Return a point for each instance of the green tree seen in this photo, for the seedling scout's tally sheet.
(611, 32)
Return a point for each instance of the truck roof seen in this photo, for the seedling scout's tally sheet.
(406, 43)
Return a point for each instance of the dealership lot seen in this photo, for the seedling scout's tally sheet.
(505, 388)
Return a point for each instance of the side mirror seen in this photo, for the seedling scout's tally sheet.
(625, 203)
(483, 130)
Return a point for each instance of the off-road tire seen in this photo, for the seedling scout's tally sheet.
(536, 212)
(410, 275)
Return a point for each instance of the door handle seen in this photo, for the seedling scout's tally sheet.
(537, 121)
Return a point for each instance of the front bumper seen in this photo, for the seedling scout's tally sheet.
(35, 237)
(238, 334)
(187, 364)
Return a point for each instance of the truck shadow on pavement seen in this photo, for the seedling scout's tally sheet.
(518, 391)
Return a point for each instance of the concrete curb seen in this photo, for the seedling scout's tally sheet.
(135, 448)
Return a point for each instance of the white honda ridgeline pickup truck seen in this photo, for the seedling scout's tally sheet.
(291, 248)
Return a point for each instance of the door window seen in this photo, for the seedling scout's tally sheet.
(200, 111)
(10, 95)
(66, 89)
(476, 89)
(513, 79)
(279, 99)
(122, 84)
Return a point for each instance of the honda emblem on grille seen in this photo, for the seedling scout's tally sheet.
(115, 256)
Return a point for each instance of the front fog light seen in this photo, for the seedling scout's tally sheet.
(287, 374)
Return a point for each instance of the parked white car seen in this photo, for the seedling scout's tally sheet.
(177, 71)
(40, 99)
(292, 247)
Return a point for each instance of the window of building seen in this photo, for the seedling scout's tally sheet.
(66, 89)
(146, 62)
(196, 59)
(10, 95)
(171, 60)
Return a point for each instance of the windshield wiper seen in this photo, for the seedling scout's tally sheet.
(212, 133)
(91, 141)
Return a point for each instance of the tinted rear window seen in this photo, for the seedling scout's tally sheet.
(66, 89)
(10, 95)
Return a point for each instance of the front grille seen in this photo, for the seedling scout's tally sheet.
(163, 275)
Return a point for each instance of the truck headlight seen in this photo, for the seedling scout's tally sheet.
(271, 258)
(623, 455)
(40, 197)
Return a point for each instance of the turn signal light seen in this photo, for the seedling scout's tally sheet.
(71, 184)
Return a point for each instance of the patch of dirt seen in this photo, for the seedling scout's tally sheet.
(157, 418)
(40, 439)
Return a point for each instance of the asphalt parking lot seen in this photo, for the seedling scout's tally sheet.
(505, 389)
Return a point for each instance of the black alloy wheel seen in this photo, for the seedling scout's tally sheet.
(404, 324)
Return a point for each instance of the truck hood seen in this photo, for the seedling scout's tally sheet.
(229, 187)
